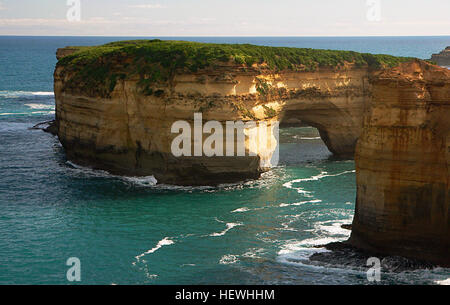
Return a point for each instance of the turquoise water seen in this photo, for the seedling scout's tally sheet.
(128, 231)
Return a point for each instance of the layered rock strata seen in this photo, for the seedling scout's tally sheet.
(403, 165)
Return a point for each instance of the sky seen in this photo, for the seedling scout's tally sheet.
(225, 17)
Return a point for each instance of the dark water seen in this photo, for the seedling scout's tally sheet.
(127, 231)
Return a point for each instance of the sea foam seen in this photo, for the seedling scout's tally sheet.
(229, 225)
(40, 106)
(139, 181)
(18, 94)
(164, 242)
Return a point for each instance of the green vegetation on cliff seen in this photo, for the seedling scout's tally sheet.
(98, 68)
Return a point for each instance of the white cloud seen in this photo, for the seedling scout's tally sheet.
(150, 6)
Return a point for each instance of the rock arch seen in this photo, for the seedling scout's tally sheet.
(130, 131)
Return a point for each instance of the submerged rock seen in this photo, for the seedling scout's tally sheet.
(48, 126)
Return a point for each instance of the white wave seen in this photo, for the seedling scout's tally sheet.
(14, 113)
(40, 106)
(164, 242)
(43, 112)
(315, 178)
(443, 282)
(298, 252)
(185, 188)
(300, 258)
(140, 181)
(241, 210)
(146, 181)
(311, 243)
(322, 175)
(267, 178)
(230, 226)
(281, 205)
(17, 94)
(310, 138)
(28, 113)
(300, 203)
(228, 259)
(88, 170)
(43, 93)
(303, 249)
(333, 227)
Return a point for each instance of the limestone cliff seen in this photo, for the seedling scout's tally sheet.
(121, 121)
(403, 165)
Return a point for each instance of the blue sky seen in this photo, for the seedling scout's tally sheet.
(228, 18)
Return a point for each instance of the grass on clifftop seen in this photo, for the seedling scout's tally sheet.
(98, 68)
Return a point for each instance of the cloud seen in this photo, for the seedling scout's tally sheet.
(148, 6)
(2, 8)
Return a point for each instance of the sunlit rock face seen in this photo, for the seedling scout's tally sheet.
(129, 132)
(403, 165)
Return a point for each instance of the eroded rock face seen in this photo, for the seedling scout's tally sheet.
(403, 165)
(130, 131)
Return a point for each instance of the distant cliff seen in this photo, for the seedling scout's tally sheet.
(442, 58)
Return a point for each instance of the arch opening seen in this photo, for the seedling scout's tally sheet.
(335, 128)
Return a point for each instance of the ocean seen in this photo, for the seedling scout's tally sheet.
(127, 230)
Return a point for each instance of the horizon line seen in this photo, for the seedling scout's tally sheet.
(231, 36)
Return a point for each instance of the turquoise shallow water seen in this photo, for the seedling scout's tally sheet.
(126, 231)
